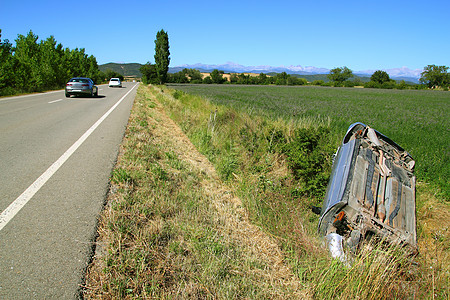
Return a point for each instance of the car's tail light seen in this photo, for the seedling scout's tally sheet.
(85, 85)
(69, 84)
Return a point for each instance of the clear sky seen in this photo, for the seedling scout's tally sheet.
(363, 34)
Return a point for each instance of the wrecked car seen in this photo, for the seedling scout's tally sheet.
(371, 193)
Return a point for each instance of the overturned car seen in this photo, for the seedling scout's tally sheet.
(371, 193)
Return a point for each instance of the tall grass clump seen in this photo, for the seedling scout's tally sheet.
(377, 272)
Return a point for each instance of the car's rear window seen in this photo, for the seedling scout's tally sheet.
(79, 80)
(114, 79)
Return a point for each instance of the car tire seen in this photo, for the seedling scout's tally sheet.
(67, 95)
(96, 93)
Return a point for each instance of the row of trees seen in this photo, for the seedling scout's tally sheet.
(32, 66)
(379, 79)
(432, 76)
(217, 77)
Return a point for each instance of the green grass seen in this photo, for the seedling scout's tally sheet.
(416, 120)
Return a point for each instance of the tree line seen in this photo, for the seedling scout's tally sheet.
(432, 77)
(217, 77)
(32, 66)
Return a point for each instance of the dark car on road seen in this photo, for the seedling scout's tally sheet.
(370, 194)
(81, 86)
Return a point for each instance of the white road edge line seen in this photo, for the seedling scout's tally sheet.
(9, 213)
(54, 101)
(29, 95)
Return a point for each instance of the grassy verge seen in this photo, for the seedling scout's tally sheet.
(235, 220)
(172, 229)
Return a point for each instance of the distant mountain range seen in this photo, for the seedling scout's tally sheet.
(132, 69)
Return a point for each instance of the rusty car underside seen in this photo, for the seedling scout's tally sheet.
(371, 193)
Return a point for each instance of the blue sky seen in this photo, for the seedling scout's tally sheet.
(361, 35)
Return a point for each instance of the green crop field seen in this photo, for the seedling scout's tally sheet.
(417, 120)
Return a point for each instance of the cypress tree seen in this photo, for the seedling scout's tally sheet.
(162, 53)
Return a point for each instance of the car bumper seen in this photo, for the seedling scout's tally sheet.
(79, 91)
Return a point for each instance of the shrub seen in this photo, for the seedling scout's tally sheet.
(402, 85)
(372, 84)
(207, 80)
(318, 82)
(349, 83)
(388, 85)
(308, 156)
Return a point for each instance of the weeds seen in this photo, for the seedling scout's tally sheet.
(377, 272)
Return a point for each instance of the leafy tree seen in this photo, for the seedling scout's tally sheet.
(262, 78)
(292, 80)
(31, 66)
(207, 80)
(149, 73)
(113, 74)
(7, 65)
(217, 76)
(281, 78)
(339, 75)
(93, 71)
(318, 82)
(372, 84)
(433, 76)
(178, 77)
(26, 53)
(234, 78)
(389, 85)
(402, 85)
(162, 54)
(380, 77)
(194, 75)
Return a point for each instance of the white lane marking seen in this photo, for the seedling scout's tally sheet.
(23, 199)
(54, 101)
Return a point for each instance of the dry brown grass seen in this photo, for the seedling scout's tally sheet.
(433, 219)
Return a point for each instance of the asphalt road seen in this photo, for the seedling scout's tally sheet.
(56, 156)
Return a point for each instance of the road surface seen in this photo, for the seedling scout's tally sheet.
(56, 156)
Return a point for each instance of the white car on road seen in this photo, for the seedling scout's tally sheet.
(115, 82)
